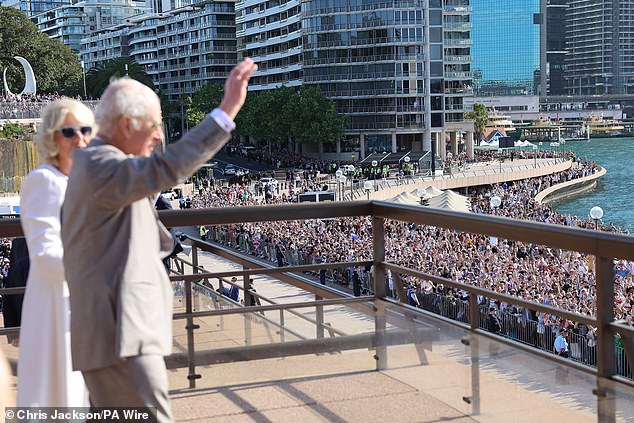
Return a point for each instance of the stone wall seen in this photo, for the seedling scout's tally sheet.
(568, 188)
(17, 158)
(474, 179)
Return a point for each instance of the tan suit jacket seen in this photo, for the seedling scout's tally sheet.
(120, 294)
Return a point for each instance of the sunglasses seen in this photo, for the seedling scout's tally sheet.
(70, 131)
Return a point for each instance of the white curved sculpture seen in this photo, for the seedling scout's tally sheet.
(30, 87)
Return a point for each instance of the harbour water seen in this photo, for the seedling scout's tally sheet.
(615, 191)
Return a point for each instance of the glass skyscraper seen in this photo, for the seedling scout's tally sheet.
(506, 47)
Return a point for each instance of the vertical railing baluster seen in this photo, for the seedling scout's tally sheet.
(378, 243)
(606, 357)
(191, 353)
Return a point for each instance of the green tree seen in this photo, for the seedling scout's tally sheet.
(56, 67)
(203, 101)
(98, 78)
(314, 118)
(480, 117)
(278, 115)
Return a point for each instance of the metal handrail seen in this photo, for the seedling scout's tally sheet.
(605, 246)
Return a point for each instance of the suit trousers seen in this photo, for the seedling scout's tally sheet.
(139, 381)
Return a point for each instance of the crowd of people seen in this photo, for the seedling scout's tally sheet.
(25, 106)
(563, 279)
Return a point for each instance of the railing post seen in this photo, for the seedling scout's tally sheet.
(246, 292)
(246, 283)
(606, 356)
(319, 318)
(378, 244)
(191, 353)
(378, 241)
(282, 329)
(474, 311)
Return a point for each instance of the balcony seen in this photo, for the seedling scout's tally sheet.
(457, 26)
(456, 42)
(299, 349)
(457, 75)
(457, 59)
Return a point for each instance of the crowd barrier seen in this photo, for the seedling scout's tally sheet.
(517, 327)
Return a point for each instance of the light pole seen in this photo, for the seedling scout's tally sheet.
(535, 156)
(338, 175)
(351, 173)
(596, 213)
(342, 185)
(406, 160)
(83, 75)
(374, 165)
(495, 203)
(367, 186)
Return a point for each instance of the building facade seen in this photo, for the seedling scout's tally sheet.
(556, 50)
(181, 50)
(66, 23)
(270, 32)
(506, 47)
(34, 7)
(600, 44)
(368, 57)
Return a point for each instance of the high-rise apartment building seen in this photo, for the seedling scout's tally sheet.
(555, 29)
(34, 7)
(270, 32)
(600, 46)
(181, 50)
(457, 44)
(368, 57)
(66, 23)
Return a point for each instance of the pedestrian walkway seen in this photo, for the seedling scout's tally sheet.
(513, 385)
(478, 174)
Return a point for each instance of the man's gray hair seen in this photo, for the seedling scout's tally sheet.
(53, 117)
(123, 97)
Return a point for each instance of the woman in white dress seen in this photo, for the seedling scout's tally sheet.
(45, 376)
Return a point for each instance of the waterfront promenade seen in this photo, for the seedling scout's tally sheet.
(477, 174)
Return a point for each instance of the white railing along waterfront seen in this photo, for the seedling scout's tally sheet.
(29, 110)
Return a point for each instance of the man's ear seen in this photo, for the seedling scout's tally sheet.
(126, 126)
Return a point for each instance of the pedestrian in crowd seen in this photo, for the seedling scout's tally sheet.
(356, 282)
(560, 346)
(203, 232)
(162, 203)
(232, 292)
(45, 374)
(17, 277)
(493, 321)
(279, 254)
(121, 297)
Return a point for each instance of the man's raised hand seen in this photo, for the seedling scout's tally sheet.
(236, 87)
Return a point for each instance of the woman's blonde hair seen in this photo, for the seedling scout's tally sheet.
(53, 117)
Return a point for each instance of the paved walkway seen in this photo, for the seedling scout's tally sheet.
(514, 386)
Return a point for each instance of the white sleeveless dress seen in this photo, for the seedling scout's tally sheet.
(45, 376)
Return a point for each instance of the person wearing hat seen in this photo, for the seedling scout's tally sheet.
(561, 344)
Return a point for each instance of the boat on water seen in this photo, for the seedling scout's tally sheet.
(599, 127)
(542, 129)
(543, 122)
(499, 121)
